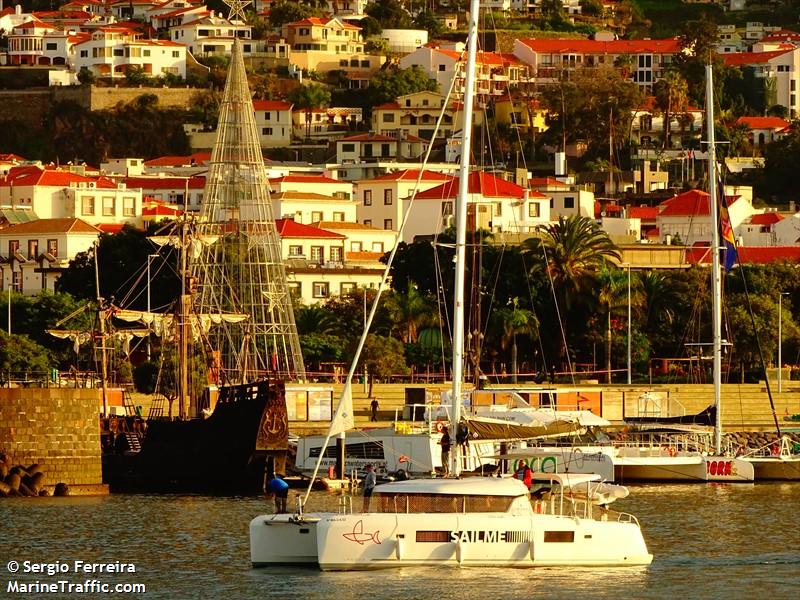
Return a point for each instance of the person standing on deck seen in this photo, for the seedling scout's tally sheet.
(445, 443)
(278, 488)
(370, 480)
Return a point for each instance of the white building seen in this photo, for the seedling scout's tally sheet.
(274, 123)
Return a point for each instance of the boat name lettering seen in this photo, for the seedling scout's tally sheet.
(721, 467)
(488, 537)
(545, 464)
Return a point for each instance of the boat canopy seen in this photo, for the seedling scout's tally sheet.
(469, 486)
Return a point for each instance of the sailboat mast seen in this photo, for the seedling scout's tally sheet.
(461, 229)
(716, 276)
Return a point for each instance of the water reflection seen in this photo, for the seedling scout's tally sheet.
(710, 541)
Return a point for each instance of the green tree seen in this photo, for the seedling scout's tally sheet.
(86, 77)
(307, 97)
(410, 312)
(427, 20)
(377, 46)
(383, 356)
(389, 13)
(671, 94)
(513, 321)
(135, 75)
(370, 27)
(781, 165)
(22, 358)
(612, 298)
(286, 11)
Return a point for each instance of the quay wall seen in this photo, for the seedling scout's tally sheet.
(57, 428)
(745, 407)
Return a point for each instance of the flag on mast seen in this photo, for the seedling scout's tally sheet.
(343, 418)
(726, 232)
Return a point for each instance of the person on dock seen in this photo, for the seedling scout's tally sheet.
(279, 489)
(370, 481)
(445, 444)
(374, 407)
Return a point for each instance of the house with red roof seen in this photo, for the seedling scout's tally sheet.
(315, 184)
(416, 115)
(325, 123)
(372, 147)
(493, 204)
(381, 199)
(548, 57)
(206, 34)
(182, 191)
(35, 252)
(764, 130)
(310, 207)
(273, 122)
(688, 217)
(496, 72)
(780, 66)
(54, 193)
(760, 229)
(321, 263)
(565, 198)
(325, 44)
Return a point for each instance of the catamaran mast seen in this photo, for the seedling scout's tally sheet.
(461, 232)
(716, 276)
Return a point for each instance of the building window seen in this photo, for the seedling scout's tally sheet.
(348, 147)
(176, 54)
(13, 247)
(377, 246)
(387, 196)
(347, 288)
(368, 222)
(267, 116)
(295, 289)
(367, 197)
(355, 246)
(296, 250)
(387, 224)
(385, 150)
(388, 118)
(321, 289)
(534, 210)
(87, 206)
(16, 283)
(338, 217)
(498, 209)
(266, 131)
(33, 249)
(52, 247)
(336, 253)
(51, 46)
(317, 254)
(316, 216)
(109, 206)
(569, 202)
(128, 207)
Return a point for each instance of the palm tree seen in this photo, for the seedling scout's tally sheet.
(513, 321)
(612, 296)
(410, 311)
(672, 96)
(314, 318)
(571, 252)
(308, 97)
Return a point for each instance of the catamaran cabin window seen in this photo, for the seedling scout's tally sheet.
(442, 503)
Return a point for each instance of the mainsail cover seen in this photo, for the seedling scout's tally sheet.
(482, 429)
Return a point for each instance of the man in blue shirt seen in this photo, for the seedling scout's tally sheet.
(278, 488)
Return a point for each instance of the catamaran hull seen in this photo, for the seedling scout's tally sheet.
(682, 468)
(283, 540)
(381, 541)
(775, 468)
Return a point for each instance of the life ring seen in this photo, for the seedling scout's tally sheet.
(439, 427)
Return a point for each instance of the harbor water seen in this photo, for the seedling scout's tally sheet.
(709, 541)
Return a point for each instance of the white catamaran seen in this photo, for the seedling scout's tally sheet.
(477, 521)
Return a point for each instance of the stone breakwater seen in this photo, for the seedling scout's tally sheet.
(18, 480)
(758, 439)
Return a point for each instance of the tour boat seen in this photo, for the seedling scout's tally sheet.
(470, 522)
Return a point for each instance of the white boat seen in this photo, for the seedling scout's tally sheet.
(777, 461)
(471, 522)
(479, 521)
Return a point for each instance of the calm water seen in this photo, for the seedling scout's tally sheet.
(709, 541)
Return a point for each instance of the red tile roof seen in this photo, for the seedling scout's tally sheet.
(321, 22)
(305, 179)
(768, 218)
(196, 182)
(33, 176)
(198, 158)
(645, 213)
(479, 182)
(65, 225)
(159, 210)
(293, 229)
(271, 105)
(749, 254)
(692, 202)
(111, 227)
(410, 175)
(584, 46)
(763, 122)
(739, 59)
(546, 182)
